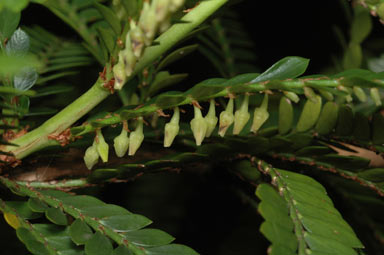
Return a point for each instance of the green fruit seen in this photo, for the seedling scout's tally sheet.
(328, 118)
(241, 116)
(310, 114)
(285, 115)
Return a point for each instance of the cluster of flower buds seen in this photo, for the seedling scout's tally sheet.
(122, 143)
(99, 149)
(155, 16)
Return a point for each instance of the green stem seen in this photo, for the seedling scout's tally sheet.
(38, 138)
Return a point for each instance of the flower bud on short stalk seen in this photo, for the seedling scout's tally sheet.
(128, 56)
(119, 73)
(292, 96)
(198, 126)
(137, 39)
(102, 146)
(91, 156)
(148, 22)
(162, 9)
(211, 118)
(172, 128)
(136, 137)
(226, 118)
(360, 94)
(375, 94)
(175, 5)
(121, 142)
(241, 116)
(260, 115)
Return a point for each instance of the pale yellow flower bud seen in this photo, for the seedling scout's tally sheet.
(198, 126)
(172, 128)
(211, 118)
(241, 116)
(136, 138)
(226, 118)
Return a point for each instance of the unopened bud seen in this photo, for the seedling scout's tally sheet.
(375, 94)
(172, 128)
(211, 118)
(360, 94)
(128, 56)
(198, 126)
(226, 118)
(137, 39)
(102, 146)
(91, 156)
(241, 116)
(148, 22)
(136, 137)
(121, 142)
(162, 7)
(119, 74)
(260, 115)
(175, 5)
(292, 96)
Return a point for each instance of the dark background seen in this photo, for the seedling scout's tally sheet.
(202, 211)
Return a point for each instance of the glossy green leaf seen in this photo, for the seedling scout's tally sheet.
(171, 249)
(285, 115)
(309, 115)
(98, 244)
(286, 68)
(125, 223)
(149, 237)
(327, 245)
(80, 232)
(56, 215)
(328, 118)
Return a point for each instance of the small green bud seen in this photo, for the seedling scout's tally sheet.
(136, 137)
(226, 118)
(128, 56)
(162, 8)
(360, 94)
(148, 22)
(137, 39)
(119, 73)
(241, 116)
(172, 128)
(211, 118)
(375, 94)
(121, 142)
(102, 146)
(260, 115)
(198, 126)
(91, 156)
(292, 96)
(175, 5)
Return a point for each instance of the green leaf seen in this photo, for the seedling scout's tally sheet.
(125, 223)
(98, 244)
(81, 201)
(13, 91)
(122, 250)
(108, 38)
(170, 99)
(52, 90)
(176, 55)
(103, 211)
(327, 245)
(30, 242)
(373, 175)
(15, 6)
(110, 17)
(56, 215)
(37, 205)
(80, 232)
(163, 81)
(286, 68)
(171, 249)
(149, 237)
(23, 210)
(10, 65)
(361, 25)
(9, 21)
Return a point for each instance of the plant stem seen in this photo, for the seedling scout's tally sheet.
(38, 138)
